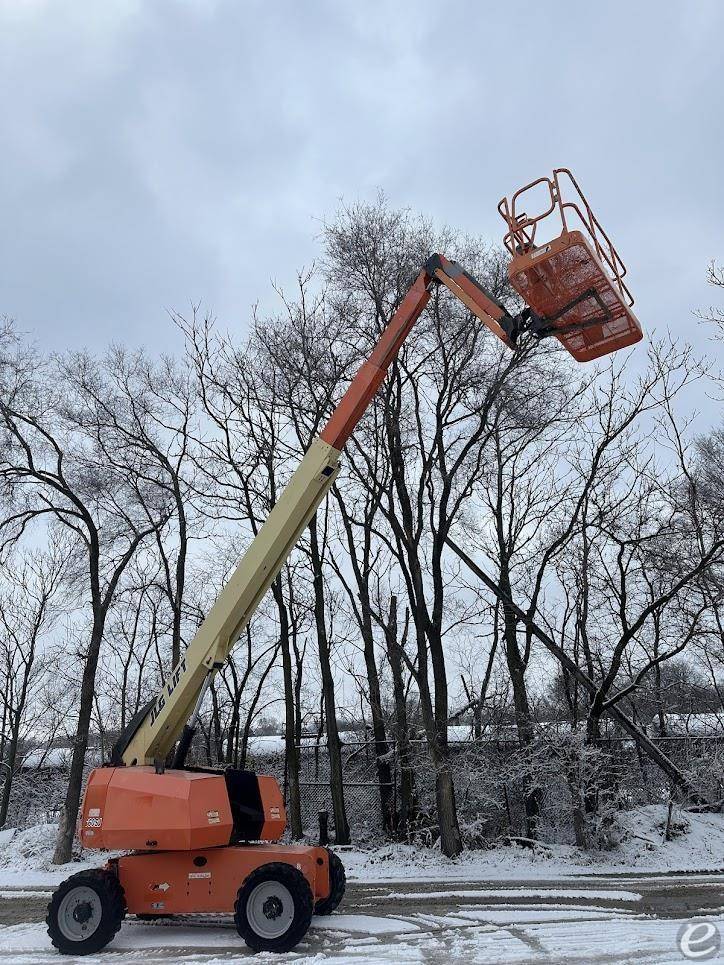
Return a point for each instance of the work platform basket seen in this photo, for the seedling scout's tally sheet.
(567, 270)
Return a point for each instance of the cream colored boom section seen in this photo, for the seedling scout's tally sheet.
(235, 605)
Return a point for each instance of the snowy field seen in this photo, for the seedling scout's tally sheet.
(505, 905)
(485, 934)
(546, 928)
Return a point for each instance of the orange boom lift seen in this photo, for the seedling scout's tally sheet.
(204, 840)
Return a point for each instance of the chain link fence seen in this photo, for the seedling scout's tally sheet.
(490, 777)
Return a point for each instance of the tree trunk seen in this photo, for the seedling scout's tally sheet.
(3, 725)
(523, 718)
(246, 731)
(341, 826)
(69, 814)
(291, 752)
(11, 748)
(451, 842)
(407, 812)
(382, 748)
(434, 716)
(578, 813)
(361, 562)
(428, 634)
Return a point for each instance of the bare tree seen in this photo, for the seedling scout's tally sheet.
(139, 627)
(246, 463)
(651, 550)
(714, 315)
(29, 609)
(150, 410)
(237, 693)
(302, 352)
(395, 640)
(309, 360)
(630, 538)
(433, 417)
(521, 489)
(59, 466)
(362, 552)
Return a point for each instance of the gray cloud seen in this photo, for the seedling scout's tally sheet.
(158, 153)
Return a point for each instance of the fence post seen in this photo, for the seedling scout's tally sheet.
(323, 828)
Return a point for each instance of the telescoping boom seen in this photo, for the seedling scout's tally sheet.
(574, 290)
(200, 840)
(152, 735)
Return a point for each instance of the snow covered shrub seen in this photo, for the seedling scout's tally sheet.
(31, 849)
(36, 798)
(424, 831)
(704, 768)
(484, 831)
(673, 826)
(597, 795)
(578, 785)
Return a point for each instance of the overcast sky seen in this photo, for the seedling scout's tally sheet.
(158, 153)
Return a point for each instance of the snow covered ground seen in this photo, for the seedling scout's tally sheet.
(480, 933)
(505, 905)
(698, 846)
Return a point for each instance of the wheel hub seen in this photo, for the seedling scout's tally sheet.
(272, 907)
(82, 912)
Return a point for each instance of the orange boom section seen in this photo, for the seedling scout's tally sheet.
(573, 281)
(371, 374)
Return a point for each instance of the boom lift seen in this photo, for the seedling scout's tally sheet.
(204, 840)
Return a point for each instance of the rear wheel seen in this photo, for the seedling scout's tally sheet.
(85, 912)
(273, 908)
(337, 885)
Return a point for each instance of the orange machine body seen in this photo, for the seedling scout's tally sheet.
(208, 879)
(178, 810)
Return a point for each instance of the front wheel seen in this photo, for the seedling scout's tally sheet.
(274, 908)
(85, 912)
(337, 885)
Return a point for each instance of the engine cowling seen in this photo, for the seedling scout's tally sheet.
(136, 808)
